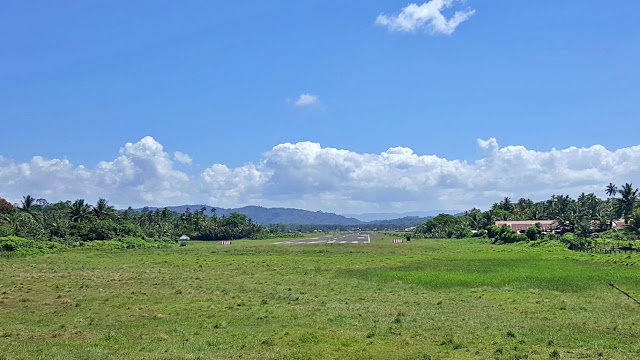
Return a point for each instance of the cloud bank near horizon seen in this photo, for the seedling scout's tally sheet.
(309, 176)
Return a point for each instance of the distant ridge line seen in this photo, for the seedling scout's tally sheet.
(291, 216)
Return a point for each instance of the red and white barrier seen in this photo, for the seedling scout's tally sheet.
(397, 241)
(225, 242)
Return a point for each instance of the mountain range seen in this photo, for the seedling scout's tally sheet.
(390, 216)
(289, 216)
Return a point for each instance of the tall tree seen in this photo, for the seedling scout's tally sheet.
(28, 203)
(506, 204)
(103, 210)
(80, 211)
(611, 189)
(628, 198)
(6, 207)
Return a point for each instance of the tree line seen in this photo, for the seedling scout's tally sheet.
(584, 216)
(69, 222)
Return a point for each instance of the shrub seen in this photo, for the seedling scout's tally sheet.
(505, 235)
(127, 243)
(23, 246)
(102, 230)
(493, 231)
(104, 245)
(533, 232)
(130, 242)
(6, 230)
(480, 233)
(574, 241)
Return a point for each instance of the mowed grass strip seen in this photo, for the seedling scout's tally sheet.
(458, 299)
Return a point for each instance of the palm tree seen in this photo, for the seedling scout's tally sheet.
(80, 211)
(103, 210)
(611, 189)
(626, 201)
(634, 223)
(28, 203)
(506, 204)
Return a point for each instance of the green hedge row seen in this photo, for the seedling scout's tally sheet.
(20, 246)
(23, 246)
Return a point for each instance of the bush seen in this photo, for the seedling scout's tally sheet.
(104, 245)
(102, 230)
(480, 233)
(132, 243)
(128, 243)
(5, 230)
(493, 231)
(465, 233)
(533, 233)
(23, 246)
(506, 235)
(574, 241)
(445, 226)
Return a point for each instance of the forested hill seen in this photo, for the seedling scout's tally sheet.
(268, 216)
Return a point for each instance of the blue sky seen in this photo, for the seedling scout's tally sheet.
(222, 82)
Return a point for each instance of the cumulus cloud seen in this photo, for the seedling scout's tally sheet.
(306, 100)
(427, 16)
(182, 158)
(142, 174)
(307, 175)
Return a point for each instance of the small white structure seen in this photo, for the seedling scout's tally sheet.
(183, 240)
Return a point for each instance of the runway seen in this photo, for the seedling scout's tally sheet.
(355, 238)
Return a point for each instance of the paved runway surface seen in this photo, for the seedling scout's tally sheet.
(354, 238)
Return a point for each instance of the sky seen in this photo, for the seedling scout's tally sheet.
(339, 106)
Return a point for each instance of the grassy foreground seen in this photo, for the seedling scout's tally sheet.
(428, 299)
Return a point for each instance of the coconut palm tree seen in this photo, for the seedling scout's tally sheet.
(506, 204)
(628, 198)
(611, 189)
(103, 210)
(28, 203)
(634, 223)
(80, 211)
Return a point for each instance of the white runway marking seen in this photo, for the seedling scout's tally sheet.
(330, 239)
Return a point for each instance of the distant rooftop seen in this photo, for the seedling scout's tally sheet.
(525, 224)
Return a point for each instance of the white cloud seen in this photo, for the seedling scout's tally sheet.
(142, 174)
(307, 175)
(427, 16)
(182, 157)
(306, 100)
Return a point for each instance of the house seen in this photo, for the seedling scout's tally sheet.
(618, 224)
(522, 225)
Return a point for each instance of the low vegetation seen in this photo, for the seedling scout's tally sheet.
(427, 299)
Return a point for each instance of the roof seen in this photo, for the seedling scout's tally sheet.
(184, 237)
(525, 224)
(619, 224)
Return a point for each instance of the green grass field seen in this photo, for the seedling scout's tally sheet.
(428, 299)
